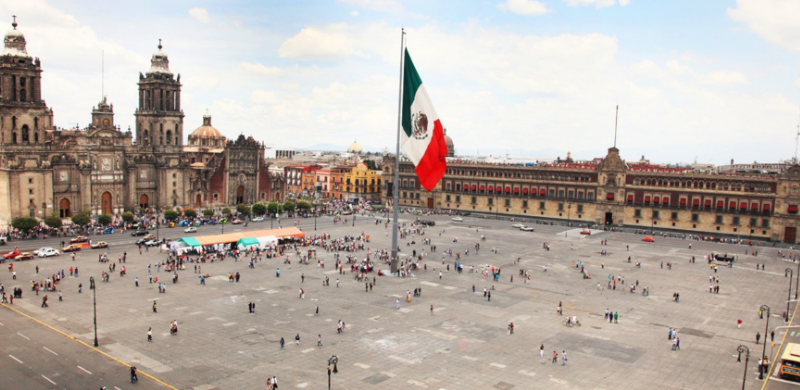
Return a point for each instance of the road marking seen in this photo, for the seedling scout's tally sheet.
(498, 365)
(48, 379)
(49, 350)
(1, 324)
(23, 336)
(20, 361)
(117, 388)
(85, 370)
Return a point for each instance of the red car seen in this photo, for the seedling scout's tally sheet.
(12, 255)
(24, 256)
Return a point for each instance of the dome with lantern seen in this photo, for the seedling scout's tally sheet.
(14, 42)
(206, 135)
(354, 148)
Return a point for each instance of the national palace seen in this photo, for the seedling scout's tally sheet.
(46, 170)
(610, 191)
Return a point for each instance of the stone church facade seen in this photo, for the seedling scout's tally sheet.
(46, 170)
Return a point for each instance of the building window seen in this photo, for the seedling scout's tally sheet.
(765, 223)
(695, 217)
(447, 198)
(719, 219)
(508, 202)
(541, 205)
(174, 183)
(736, 221)
(458, 198)
(655, 214)
(674, 215)
(561, 194)
(580, 208)
(30, 191)
(753, 222)
(590, 195)
(474, 200)
(30, 181)
(525, 204)
(560, 207)
(637, 213)
(491, 201)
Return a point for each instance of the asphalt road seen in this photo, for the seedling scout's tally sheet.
(34, 357)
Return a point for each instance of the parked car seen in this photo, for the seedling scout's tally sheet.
(458, 219)
(427, 223)
(145, 239)
(24, 256)
(46, 252)
(12, 254)
(518, 225)
(71, 248)
(140, 233)
(79, 239)
(526, 228)
(258, 219)
(190, 229)
(99, 244)
(108, 230)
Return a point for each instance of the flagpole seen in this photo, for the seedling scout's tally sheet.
(396, 186)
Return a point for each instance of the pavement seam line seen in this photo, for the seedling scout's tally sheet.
(783, 344)
(88, 346)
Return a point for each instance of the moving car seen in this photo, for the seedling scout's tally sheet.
(71, 248)
(140, 233)
(24, 256)
(79, 239)
(427, 223)
(458, 219)
(648, 239)
(586, 232)
(190, 229)
(237, 222)
(12, 254)
(46, 252)
(526, 228)
(146, 238)
(108, 230)
(99, 244)
(258, 219)
(154, 242)
(518, 225)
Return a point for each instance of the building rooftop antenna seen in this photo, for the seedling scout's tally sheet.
(616, 118)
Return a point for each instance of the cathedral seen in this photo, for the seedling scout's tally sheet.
(46, 170)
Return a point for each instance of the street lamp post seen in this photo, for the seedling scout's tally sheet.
(764, 350)
(796, 281)
(746, 351)
(93, 287)
(788, 272)
(315, 217)
(332, 362)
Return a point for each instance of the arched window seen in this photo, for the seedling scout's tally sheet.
(14, 137)
(35, 123)
(25, 134)
(169, 137)
(23, 95)
(36, 137)
(13, 122)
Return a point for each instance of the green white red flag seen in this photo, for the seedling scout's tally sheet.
(422, 139)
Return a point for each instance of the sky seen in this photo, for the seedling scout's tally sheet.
(705, 80)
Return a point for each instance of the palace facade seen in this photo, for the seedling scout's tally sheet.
(46, 170)
(612, 192)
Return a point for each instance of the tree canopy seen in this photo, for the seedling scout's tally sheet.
(104, 219)
(259, 208)
(24, 223)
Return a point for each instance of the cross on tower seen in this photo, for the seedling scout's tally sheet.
(14, 23)
(159, 43)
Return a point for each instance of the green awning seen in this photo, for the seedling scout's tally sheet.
(248, 241)
(190, 242)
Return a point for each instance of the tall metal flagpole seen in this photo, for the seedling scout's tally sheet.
(396, 185)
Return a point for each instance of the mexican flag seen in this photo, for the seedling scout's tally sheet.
(422, 138)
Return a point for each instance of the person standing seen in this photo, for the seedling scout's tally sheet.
(297, 339)
(555, 357)
(563, 358)
(150, 334)
(541, 351)
(758, 337)
(282, 342)
(431, 309)
(155, 310)
(319, 340)
(274, 382)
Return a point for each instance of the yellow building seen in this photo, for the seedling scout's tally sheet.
(363, 183)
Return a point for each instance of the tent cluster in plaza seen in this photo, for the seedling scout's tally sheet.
(241, 240)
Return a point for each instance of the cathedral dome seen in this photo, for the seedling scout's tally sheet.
(451, 149)
(354, 148)
(206, 131)
(14, 42)
(159, 62)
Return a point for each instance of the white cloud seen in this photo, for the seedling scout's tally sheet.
(200, 14)
(596, 3)
(262, 70)
(334, 42)
(524, 7)
(354, 13)
(773, 20)
(724, 78)
(377, 5)
(263, 97)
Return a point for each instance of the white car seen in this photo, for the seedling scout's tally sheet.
(257, 219)
(458, 219)
(190, 229)
(526, 228)
(518, 225)
(47, 252)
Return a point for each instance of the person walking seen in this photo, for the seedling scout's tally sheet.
(150, 334)
(563, 358)
(758, 337)
(555, 357)
(297, 339)
(541, 351)
(431, 309)
(319, 340)
(282, 342)
(155, 310)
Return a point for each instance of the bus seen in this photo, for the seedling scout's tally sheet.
(790, 362)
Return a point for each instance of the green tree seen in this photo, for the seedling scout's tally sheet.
(81, 219)
(170, 215)
(288, 206)
(226, 211)
(208, 212)
(259, 208)
(243, 209)
(190, 213)
(370, 165)
(303, 205)
(273, 207)
(24, 223)
(128, 217)
(53, 221)
(104, 219)
(129, 208)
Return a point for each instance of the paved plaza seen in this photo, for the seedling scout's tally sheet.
(463, 344)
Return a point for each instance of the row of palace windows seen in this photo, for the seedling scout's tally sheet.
(703, 185)
(718, 219)
(515, 174)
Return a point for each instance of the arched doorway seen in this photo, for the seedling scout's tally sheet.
(144, 201)
(277, 196)
(240, 195)
(198, 201)
(105, 202)
(63, 208)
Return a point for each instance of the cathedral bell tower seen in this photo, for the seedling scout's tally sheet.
(159, 119)
(24, 116)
